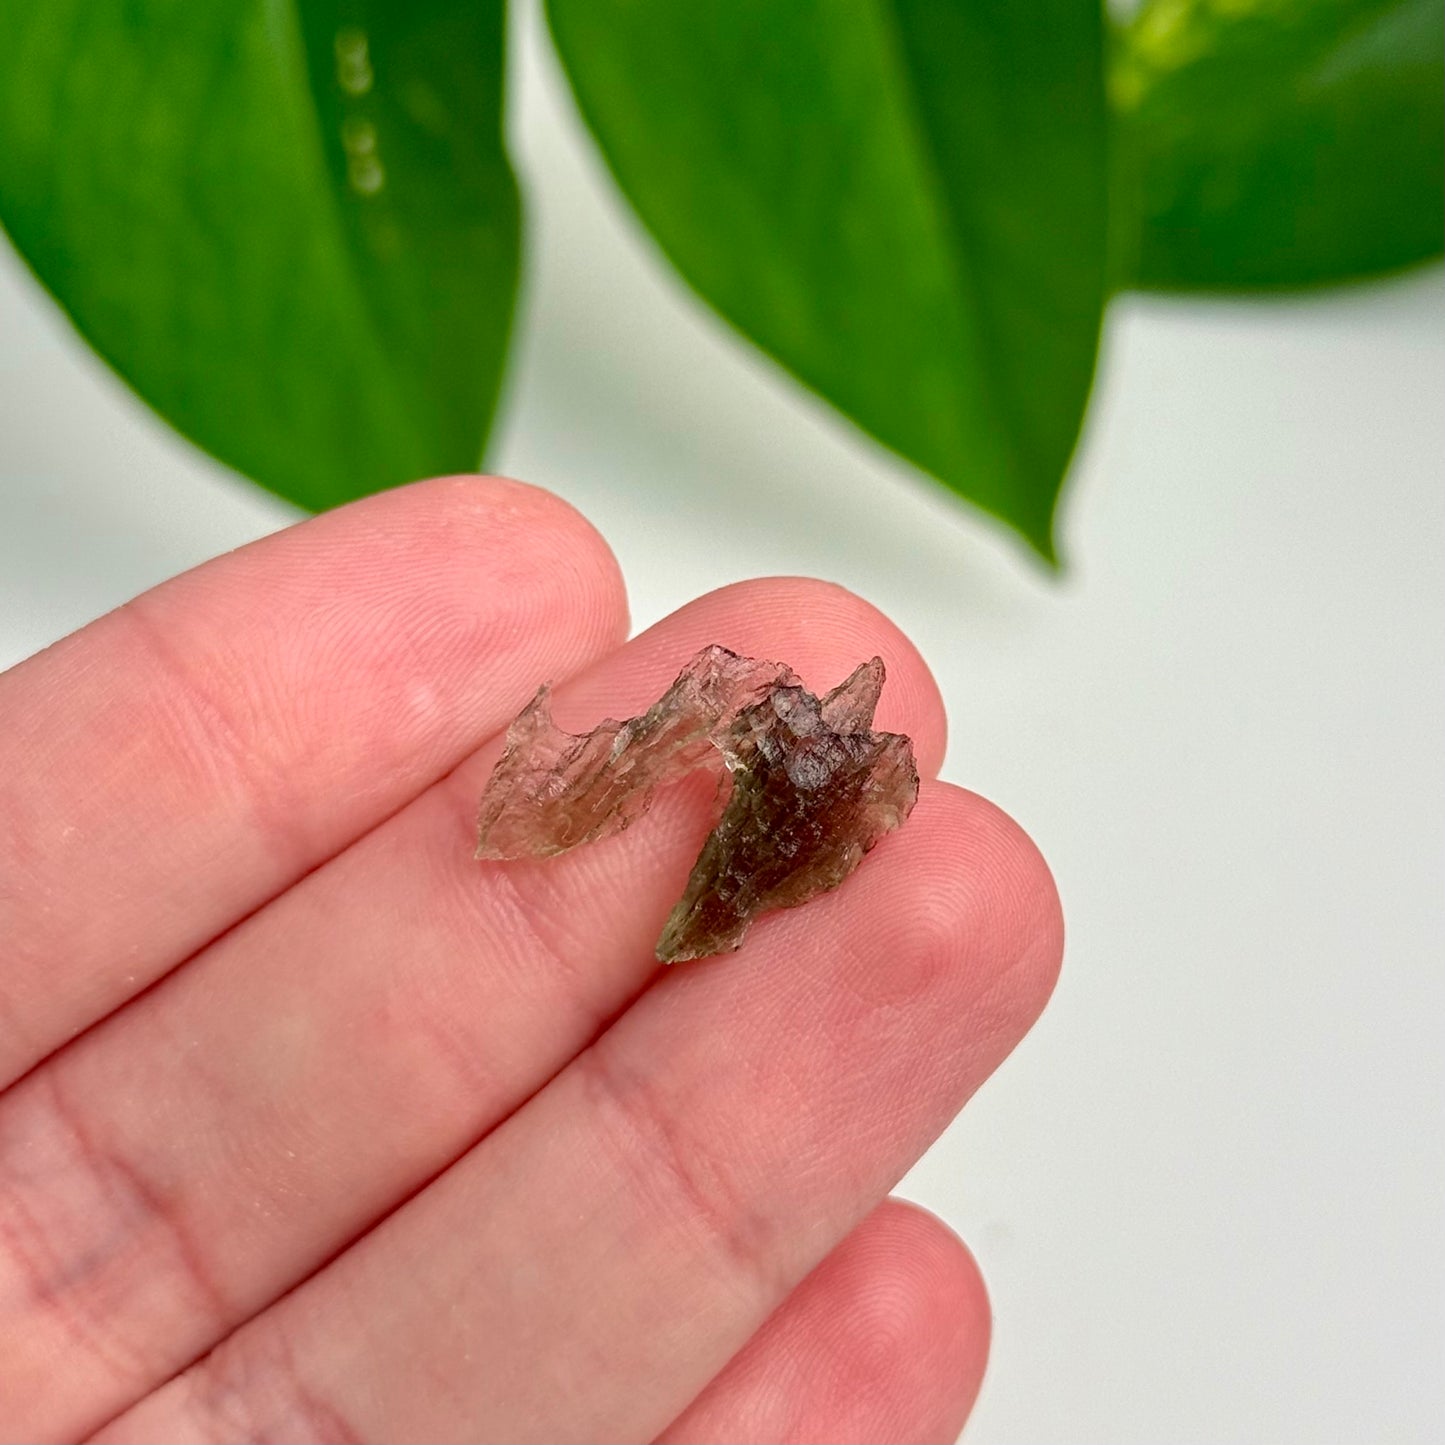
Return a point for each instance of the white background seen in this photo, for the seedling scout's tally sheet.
(1207, 1191)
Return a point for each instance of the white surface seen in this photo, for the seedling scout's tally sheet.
(1207, 1191)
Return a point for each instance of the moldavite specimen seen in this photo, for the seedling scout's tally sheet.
(813, 787)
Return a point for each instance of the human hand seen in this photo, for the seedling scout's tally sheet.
(313, 1128)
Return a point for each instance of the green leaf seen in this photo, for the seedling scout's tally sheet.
(1279, 142)
(291, 227)
(903, 201)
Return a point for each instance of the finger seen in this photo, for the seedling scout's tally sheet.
(885, 1341)
(179, 1167)
(585, 1270)
(172, 766)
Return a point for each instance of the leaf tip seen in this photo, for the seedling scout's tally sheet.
(1045, 549)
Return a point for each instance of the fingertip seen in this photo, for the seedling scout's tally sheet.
(982, 909)
(943, 1290)
(278, 701)
(886, 1340)
(1027, 897)
(529, 534)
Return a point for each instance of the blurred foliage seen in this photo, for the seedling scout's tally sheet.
(1278, 142)
(292, 227)
(905, 204)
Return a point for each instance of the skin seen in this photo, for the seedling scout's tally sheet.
(313, 1128)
